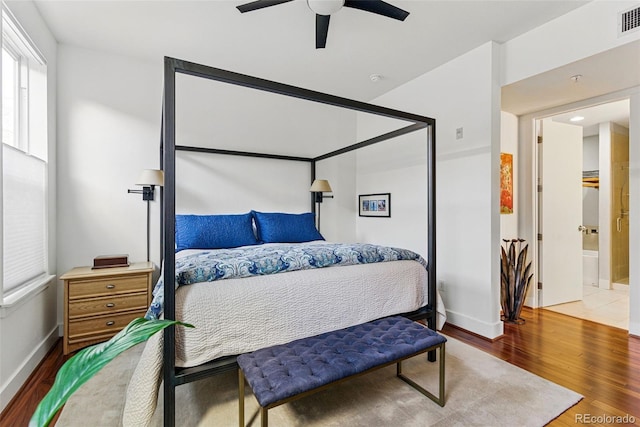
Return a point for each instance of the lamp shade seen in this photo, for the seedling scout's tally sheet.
(320, 186)
(150, 177)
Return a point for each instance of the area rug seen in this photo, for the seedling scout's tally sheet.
(480, 390)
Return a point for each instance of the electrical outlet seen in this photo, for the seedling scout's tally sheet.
(441, 285)
(459, 133)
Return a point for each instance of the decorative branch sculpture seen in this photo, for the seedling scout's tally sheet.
(515, 279)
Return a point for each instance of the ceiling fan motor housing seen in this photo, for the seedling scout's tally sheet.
(325, 7)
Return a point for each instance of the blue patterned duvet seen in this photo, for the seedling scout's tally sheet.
(219, 264)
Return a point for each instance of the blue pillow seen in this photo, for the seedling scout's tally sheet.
(274, 227)
(214, 231)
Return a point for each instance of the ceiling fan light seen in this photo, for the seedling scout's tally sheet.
(325, 7)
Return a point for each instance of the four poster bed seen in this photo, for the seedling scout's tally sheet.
(256, 308)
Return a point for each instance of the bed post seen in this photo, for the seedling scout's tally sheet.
(431, 214)
(162, 186)
(313, 177)
(431, 229)
(169, 211)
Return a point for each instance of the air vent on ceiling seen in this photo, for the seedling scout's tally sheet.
(628, 21)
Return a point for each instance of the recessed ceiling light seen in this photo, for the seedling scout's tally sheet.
(576, 78)
(375, 77)
(576, 119)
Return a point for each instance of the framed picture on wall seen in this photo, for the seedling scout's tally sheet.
(374, 205)
(506, 183)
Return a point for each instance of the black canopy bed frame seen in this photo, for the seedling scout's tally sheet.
(173, 376)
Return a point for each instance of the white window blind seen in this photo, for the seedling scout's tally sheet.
(24, 214)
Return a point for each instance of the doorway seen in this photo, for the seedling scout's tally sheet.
(604, 226)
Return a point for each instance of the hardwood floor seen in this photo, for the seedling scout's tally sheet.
(18, 412)
(600, 362)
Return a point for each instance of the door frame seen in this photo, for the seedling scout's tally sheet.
(528, 220)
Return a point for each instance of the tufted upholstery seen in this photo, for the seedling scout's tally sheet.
(283, 371)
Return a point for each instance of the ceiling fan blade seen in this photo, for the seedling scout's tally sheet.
(259, 4)
(322, 29)
(378, 7)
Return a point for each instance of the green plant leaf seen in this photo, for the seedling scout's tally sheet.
(88, 361)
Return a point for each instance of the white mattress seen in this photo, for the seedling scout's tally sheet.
(236, 316)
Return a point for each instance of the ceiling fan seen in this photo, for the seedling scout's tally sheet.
(324, 8)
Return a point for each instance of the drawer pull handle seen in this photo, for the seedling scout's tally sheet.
(111, 286)
(110, 305)
(111, 323)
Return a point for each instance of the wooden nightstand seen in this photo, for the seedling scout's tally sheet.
(98, 303)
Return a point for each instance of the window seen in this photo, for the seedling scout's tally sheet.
(10, 66)
(24, 161)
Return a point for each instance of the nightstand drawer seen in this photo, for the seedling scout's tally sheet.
(107, 286)
(107, 305)
(80, 330)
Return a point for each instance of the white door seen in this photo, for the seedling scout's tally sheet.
(560, 208)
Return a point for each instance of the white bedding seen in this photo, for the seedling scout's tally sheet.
(236, 316)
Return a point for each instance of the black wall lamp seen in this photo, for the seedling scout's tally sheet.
(148, 179)
(319, 187)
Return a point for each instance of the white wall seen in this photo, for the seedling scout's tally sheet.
(218, 115)
(109, 126)
(590, 153)
(590, 195)
(212, 184)
(468, 220)
(604, 206)
(586, 31)
(338, 215)
(30, 328)
(109, 119)
(398, 167)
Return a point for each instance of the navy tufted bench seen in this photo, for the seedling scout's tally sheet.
(283, 373)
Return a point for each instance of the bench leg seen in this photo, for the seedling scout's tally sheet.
(241, 396)
(264, 417)
(438, 399)
(264, 414)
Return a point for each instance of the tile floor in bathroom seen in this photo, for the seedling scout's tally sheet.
(607, 306)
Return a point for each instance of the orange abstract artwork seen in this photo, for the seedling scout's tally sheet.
(506, 183)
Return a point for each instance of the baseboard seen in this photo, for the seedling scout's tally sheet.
(483, 329)
(451, 325)
(21, 375)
